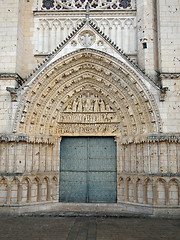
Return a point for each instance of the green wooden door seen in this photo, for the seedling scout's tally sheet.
(88, 169)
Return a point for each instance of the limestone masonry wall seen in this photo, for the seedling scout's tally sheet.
(67, 94)
(147, 173)
(169, 35)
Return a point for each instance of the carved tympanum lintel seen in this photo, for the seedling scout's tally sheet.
(86, 129)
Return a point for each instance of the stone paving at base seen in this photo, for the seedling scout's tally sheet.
(90, 228)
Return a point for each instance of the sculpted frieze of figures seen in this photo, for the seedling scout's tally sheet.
(85, 129)
(87, 118)
(88, 103)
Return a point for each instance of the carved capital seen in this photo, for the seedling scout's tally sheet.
(164, 138)
(12, 76)
(163, 92)
(13, 93)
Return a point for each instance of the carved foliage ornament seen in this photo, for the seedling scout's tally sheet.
(80, 4)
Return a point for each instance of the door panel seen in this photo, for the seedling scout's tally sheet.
(88, 169)
(101, 165)
(102, 187)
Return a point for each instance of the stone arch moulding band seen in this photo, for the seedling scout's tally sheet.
(87, 93)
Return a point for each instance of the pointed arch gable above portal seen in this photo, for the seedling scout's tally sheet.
(88, 35)
(87, 93)
(88, 87)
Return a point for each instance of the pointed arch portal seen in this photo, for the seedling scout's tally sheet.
(87, 95)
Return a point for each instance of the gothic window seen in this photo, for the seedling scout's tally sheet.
(80, 4)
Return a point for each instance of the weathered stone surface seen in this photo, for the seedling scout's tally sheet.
(112, 72)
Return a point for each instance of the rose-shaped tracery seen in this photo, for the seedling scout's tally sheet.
(80, 4)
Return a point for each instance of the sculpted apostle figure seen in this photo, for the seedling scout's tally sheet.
(69, 107)
(102, 106)
(80, 104)
(88, 104)
(96, 104)
(75, 105)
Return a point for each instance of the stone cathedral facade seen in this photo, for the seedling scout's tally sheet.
(90, 104)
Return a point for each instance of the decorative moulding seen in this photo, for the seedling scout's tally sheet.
(12, 76)
(29, 139)
(150, 138)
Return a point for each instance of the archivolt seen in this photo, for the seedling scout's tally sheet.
(87, 76)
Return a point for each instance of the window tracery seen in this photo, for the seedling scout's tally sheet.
(80, 4)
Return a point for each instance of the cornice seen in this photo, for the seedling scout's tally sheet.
(169, 75)
(137, 139)
(150, 138)
(81, 13)
(164, 137)
(29, 139)
(12, 76)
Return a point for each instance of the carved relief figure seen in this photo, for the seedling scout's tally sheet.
(87, 38)
(80, 104)
(74, 105)
(88, 102)
(96, 104)
(102, 105)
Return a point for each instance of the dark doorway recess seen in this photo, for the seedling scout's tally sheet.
(88, 170)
